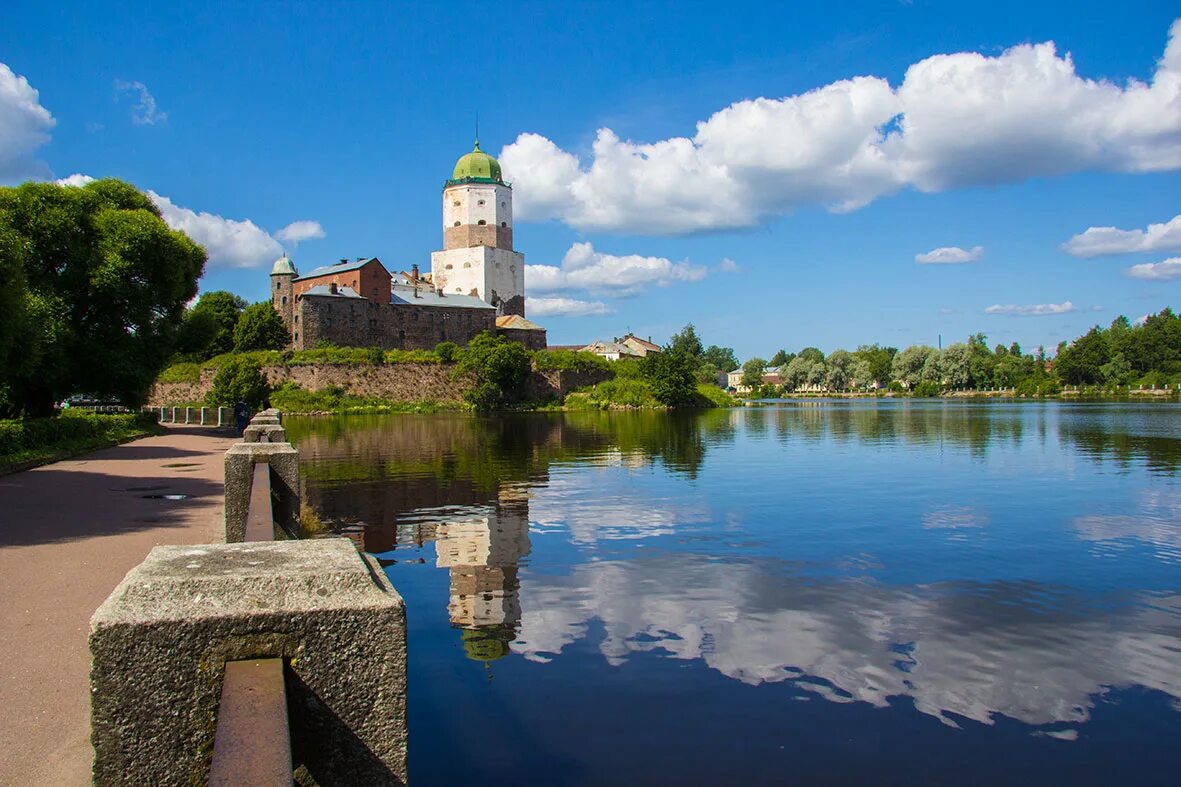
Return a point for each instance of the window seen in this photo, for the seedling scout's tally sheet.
(467, 265)
(297, 319)
(456, 224)
(481, 222)
(278, 286)
(283, 300)
(455, 203)
(481, 202)
(504, 204)
(447, 266)
(504, 223)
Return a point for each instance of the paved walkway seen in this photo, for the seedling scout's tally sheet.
(68, 533)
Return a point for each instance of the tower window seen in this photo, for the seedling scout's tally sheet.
(467, 265)
(504, 204)
(455, 203)
(283, 300)
(481, 222)
(504, 223)
(456, 224)
(278, 286)
(447, 266)
(480, 202)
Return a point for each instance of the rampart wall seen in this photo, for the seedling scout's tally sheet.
(356, 322)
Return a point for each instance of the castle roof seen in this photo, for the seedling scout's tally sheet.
(284, 266)
(340, 267)
(517, 322)
(476, 167)
(427, 297)
(326, 290)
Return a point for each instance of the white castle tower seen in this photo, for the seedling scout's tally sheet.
(477, 257)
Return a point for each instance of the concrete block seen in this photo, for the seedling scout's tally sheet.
(263, 420)
(160, 642)
(239, 476)
(264, 433)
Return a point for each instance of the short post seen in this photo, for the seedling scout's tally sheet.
(240, 460)
(161, 642)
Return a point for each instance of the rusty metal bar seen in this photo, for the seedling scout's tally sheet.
(260, 518)
(252, 744)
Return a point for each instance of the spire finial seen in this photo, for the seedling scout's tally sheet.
(477, 129)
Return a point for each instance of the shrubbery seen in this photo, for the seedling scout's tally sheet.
(569, 361)
(290, 398)
(239, 379)
(499, 369)
(71, 431)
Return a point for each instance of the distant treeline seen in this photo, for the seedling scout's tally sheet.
(1123, 354)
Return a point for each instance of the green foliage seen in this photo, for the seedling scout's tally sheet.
(260, 328)
(622, 392)
(713, 396)
(105, 282)
(670, 374)
(73, 431)
(181, 373)
(880, 360)
(752, 372)
(928, 388)
(290, 398)
(447, 351)
(781, 358)
(412, 356)
(722, 358)
(686, 342)
(208, 327)
(499, 369)
(569, 361)
(239, 379)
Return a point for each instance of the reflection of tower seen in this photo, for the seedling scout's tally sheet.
(482, 553)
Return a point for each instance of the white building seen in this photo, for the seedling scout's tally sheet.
(477, 257)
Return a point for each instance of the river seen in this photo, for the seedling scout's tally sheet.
(816, 592)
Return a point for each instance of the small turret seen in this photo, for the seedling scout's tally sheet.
(283, 273)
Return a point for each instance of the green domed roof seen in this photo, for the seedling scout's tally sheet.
(283, 265)
(478, 166)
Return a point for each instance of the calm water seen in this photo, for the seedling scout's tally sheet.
(815, 592)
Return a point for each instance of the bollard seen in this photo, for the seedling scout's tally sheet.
(239, 478)
(160, 642)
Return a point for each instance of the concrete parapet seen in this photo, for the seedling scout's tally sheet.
(239, 477)
(264, 433)
(160, 642)
(265, 420)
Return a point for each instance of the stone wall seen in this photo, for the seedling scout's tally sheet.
(402, 382)
(357, 322)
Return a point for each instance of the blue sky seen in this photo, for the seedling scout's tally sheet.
(820, 197)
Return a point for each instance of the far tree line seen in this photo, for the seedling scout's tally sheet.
(1123, 354)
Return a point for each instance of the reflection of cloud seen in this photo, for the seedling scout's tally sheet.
(954, 518)
(973, 651)
(590, 513)
(1158, 523)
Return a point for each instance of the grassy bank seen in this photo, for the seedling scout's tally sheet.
(634, 393)
(34, 441)
(292, 399)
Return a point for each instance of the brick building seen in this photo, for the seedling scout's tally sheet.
(476, 283)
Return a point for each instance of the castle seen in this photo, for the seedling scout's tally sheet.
(476, 283)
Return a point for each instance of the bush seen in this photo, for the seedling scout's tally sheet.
(447, 351)
(239, 379)
(290, 398)
(500, 369)
(569, 361)
(928, 388)
(671, 376)
(71, 431)
(181, 373)
(713, 396)
(413, 356)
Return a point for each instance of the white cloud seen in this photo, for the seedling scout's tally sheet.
(949, 255)
(24, 127)
(728, 265)
(1034, 310)
(298, 231)
(77, 179)
(230, 243)
(566, 307)
(1158, 271)
(955, 120)
(583, 268)
(145, 113)
(1097, 241)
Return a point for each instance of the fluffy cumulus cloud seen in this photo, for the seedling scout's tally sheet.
(955, 120)
(1158, 271)
(77, 180)
(144, 112)
(1032, 310)
(299, 231)
(583, 268)
(1100, 241)
(566, 307)
(949, 255)
(24, 127)
(229, 242)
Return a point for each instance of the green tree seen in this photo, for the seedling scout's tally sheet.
(955, 365)
(1117, 371)
(499, 369)
(909, 365)
(670, 375)
(239, 379)
(687, 342)
(260, 328)
(1079, 362)
(720, 358)
(752, 372)
(840, 370)
(780, 358)
(880, 360)
(106, 282)
(208, 328)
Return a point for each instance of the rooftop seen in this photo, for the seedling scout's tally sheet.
(326, 290)
(340, 267)
(476, 167)
(428, 297)
(517, 322)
